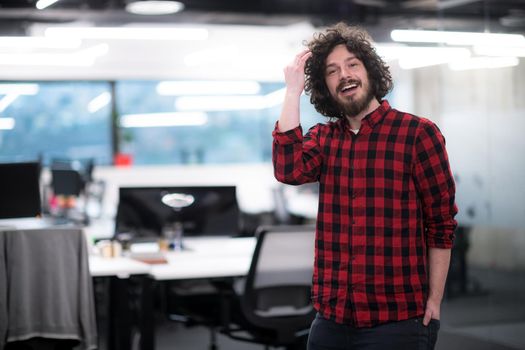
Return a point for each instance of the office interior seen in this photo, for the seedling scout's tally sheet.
(189, 99)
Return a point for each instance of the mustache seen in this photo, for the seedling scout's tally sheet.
(346, 82)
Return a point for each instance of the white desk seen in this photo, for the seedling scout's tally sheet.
(119, 267)
(204, 257)
(207, 257)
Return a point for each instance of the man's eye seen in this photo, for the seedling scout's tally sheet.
(330, 72)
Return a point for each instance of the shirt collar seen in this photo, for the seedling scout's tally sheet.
(371, 119)
(377, 115)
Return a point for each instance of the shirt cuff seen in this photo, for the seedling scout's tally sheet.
(440, 242)
(291, 136)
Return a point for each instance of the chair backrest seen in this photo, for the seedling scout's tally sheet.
(67, 182)
(281, 213)
(48, 284)
(277, 290)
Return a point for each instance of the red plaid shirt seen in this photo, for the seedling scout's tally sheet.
(385, 195)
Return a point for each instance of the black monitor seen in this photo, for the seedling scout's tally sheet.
(142, 213)
(70, 176)
(20, 190)
(66, 182)
(83, 166)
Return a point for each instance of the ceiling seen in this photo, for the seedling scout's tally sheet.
(476, 15)
(247, 39)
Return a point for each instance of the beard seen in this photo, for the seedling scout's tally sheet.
(353, 105)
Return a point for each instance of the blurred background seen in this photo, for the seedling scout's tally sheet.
(187, 93)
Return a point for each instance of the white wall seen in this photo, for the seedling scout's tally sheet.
(482, 115)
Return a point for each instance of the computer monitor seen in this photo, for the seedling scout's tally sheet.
(20, 190)
(83, 166)
(70, 176)
(142, 213)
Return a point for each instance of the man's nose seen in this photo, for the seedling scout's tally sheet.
(344, 73)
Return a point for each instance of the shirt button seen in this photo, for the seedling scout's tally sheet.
(354, 195)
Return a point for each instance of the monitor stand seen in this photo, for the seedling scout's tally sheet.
(174, 232)
(174, 236)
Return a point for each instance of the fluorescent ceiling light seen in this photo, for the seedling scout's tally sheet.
(457, 38)
(500, 51)
(93, 52)
(435, 4)
(211, 55)
(34, 42)
(446, 4)
(163, 119)
(202, 88)
(81, 58)
(416, 57)
(129, 33)
(99, 102)
(373, 3)
(229, 103)
(484, 63)
(7, 123)
(20, 89)
(42, 4)
(7, 100)
(12, 91)
(151, 8)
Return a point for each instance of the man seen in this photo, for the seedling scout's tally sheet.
(385, 223)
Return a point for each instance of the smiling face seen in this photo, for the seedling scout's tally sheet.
(347, 81)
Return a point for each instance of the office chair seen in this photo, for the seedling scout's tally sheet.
(281, 213)
(71, 179)
(51, 301)
(197, 303)
(273, 305)
(66, 182)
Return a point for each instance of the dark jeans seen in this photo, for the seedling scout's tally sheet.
(403, 335)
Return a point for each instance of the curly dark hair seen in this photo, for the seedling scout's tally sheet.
(357, 41)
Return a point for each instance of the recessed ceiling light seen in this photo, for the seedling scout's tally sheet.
(152, 8)
(42, 4)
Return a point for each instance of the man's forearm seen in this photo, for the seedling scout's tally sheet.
(294, 78)
(438, 264)
(289, 118)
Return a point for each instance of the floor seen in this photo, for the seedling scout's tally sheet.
(491, 316)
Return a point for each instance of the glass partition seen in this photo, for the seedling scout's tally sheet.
(181, 122)
(55, 120)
